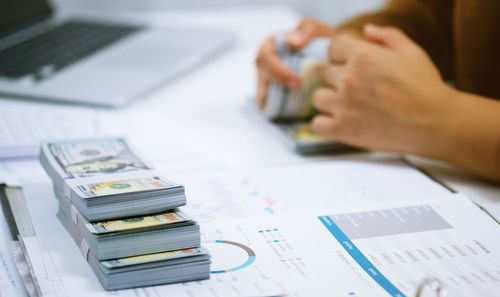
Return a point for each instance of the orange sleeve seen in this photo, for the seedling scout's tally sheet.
(428, 22)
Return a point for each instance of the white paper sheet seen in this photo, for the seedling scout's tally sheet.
(23, 125)
(319, 185)
(213, 195)
(297, 254)
(18, 172)
(10, 282)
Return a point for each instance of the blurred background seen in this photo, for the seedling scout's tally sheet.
(330, 11)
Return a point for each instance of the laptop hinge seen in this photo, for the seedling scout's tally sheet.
(25, 32)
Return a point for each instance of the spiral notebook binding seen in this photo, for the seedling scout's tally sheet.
(432, 284)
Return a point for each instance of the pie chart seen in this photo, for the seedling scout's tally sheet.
(229, 256)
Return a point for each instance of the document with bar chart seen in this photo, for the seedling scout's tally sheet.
(377, 250)
(370, 249)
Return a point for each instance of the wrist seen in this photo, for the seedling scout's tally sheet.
(466, 133)
(439, 129)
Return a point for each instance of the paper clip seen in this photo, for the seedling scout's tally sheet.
(432, 284)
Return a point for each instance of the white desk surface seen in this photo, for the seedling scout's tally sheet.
(202, 122)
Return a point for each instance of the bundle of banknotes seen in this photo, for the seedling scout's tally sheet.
(123, 215)
(171, 266)
(292, 110)
(283, 104)
(87, 171)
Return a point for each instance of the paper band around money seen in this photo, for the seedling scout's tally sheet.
(85, 249)
(74, 214)
(67, 191)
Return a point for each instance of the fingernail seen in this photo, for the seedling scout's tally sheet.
(296, 37)
(369, 28)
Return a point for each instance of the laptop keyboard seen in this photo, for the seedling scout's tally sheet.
(57, 48)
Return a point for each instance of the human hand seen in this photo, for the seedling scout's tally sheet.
(382, 92)
(271, 69)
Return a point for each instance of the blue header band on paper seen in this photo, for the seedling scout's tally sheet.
(358, 256)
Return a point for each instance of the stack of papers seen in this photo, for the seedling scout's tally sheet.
(123, 215)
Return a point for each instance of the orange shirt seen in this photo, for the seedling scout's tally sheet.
(461, 36)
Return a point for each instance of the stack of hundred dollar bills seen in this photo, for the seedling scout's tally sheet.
(123, 215)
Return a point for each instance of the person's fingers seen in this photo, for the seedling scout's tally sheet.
(280, 73)
(262, 87)
(317, 27)
(324, 100)
(390, 37)
(343, 47)
(299, 38)
(324, 125)
(307, 30)
(270, 66)
(332, 74)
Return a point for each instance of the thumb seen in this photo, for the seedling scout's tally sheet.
(300, 37)
(306, 30)
(389, 37)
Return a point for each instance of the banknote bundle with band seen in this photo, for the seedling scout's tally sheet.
(105, 179)
(284, 104)
(180, 265)
(123, 214)
(292, 111)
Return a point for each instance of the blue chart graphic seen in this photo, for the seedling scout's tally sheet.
(358, 256)
(385, 222)
(250, 259)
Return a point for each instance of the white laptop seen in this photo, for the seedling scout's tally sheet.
(48, 57)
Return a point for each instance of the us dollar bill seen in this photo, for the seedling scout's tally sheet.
(285, 104)
(128, 224)
(152, 258)
(305, 134)
(95, 157)
(118, 187)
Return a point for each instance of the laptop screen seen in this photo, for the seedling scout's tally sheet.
(16, 14)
